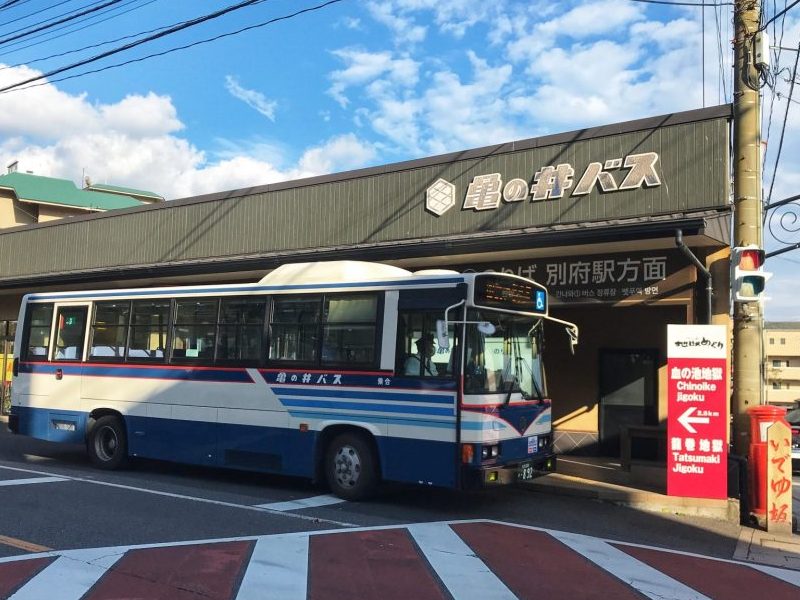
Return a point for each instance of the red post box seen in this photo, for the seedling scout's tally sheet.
(761, 417)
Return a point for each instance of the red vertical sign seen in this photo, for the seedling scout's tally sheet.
(697, 452)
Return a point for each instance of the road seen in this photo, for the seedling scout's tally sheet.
(128, 526)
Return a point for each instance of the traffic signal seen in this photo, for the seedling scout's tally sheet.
(747, 273)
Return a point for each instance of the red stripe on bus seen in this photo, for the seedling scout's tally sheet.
(176, 573)
(535, 565)
(714, 578)
(13, 575)
(381, 564)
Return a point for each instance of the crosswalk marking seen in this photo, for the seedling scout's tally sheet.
(69, 577)
(464, 575)
(312, 502)
(278, 570)
(644, 578)
(30, 480)
(452, 555)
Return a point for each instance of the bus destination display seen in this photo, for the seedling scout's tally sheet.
(507, 293)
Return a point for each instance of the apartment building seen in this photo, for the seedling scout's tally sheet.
(782, 362)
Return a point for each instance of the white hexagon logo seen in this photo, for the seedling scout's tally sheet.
(440, 197)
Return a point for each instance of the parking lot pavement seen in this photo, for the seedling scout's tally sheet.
(461, 560)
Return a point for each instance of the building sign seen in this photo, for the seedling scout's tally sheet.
(605, 278)
(697, 454)
(779, 478)
(485, 192)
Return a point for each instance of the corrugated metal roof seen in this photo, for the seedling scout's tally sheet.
(117, 189)
(62, 192)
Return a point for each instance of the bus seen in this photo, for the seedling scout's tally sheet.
(344, 372)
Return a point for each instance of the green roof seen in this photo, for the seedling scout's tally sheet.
(116, 189)
(61, 192)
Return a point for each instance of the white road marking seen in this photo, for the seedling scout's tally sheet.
(29, 480)
(312, 502)
(185, 497)
(465, 575)
(69, 577)
(640, 576)
(278, 569)
(786, 575)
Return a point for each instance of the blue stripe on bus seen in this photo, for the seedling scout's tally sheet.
(390, 408)
(308, 414)
(251, 288)
(481, 425)
(172, 373)
(370, 395)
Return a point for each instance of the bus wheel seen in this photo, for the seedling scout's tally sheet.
(108, 443)
(351, 466)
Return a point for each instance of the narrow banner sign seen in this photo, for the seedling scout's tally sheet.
(696, 419)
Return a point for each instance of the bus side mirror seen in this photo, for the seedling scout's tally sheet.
(442, 339)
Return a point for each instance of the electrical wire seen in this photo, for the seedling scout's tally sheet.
(41, 10)
(780, 14)
(12, 3)
(783, 128)
(720, 56)
(97, 45)
(49, 25)
(155, 36)
(672, 3)
(88, 22)
(16, 87)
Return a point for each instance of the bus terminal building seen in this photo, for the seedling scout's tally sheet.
(592, 214)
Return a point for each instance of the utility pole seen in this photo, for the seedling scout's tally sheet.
(747, 228)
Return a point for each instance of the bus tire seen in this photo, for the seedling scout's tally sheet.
(351, 466)
(108, 443)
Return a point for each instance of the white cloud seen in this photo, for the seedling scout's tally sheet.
(254, 99)
(365, 67)
(133, 143)
(340, 153)
(404, 29)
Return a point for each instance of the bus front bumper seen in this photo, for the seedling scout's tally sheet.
(518, 472)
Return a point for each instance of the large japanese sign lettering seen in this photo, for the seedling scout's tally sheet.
(779, 478)
(485, 192)
(696, 414)
(607, 278)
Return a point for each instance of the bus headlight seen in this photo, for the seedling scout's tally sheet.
(488, 452)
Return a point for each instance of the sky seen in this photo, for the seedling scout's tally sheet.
(360, 83)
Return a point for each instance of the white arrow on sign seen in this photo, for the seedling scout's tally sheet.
(686, 419)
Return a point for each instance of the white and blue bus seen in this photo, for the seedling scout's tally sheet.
(344, 371)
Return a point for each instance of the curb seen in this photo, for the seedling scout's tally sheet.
(565, 485)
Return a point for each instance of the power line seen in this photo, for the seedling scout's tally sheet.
(780, 14)
(41, 10)
(671, 3)
(49, 25)
(12, 3)
(155, 36)
(97, 45)
(783, 128)
(16, 47)
(171, 50)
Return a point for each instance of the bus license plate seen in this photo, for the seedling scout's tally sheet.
(525, 472)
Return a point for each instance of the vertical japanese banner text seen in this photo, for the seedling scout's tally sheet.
(697, 457)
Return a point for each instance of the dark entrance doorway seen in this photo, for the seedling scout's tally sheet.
(628, 396)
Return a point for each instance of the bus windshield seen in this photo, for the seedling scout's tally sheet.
(508, 361)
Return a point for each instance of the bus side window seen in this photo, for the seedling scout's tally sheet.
(110, 330)
(39, 323)
(349, 329)
(149, 327)
(70, 330)
(418, 353)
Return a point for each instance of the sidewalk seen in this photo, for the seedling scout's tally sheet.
(602, 479)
